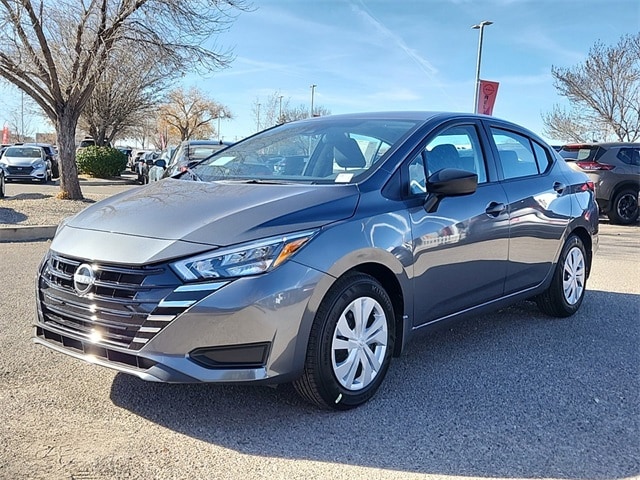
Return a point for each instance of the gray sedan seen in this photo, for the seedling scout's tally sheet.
(312, 252)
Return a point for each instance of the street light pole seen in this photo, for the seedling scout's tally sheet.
(220, 115)
(479, 26)
(313, 88)
(259, 116)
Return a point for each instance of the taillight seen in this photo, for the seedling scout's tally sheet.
(594, 166)
(588, 187)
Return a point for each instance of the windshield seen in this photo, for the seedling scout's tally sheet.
(23, 152)
(333, 151)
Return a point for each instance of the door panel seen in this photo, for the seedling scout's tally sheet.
(460, 253)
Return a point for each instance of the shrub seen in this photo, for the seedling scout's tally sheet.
(101, 162)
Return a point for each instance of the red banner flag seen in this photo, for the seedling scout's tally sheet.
(487, 96)
(5, 134)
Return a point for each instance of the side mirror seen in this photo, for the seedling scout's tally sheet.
(449, 182)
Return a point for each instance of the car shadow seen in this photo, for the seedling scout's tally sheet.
(511, 394)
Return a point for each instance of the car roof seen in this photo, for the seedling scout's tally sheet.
(601, 144)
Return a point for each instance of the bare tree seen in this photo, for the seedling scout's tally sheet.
(56, 51)
(128, 93)
(190, 113)
(604, 93)
(276, 110)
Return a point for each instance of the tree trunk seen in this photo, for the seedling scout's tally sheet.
(69, 182)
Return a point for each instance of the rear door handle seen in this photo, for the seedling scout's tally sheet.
(494, 209)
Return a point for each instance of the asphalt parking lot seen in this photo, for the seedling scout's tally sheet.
(513, 394)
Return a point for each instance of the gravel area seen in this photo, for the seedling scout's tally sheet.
(27, 209)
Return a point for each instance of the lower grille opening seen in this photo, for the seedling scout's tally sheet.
(97, 351)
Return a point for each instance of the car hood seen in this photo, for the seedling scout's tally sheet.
(21, 161)
(177, 217)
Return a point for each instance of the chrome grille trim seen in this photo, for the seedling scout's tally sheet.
(199, 287)
(125, 307)
(176, 303)
(160, 318)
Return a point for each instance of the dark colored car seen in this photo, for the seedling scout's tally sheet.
(614, 168)
(313, 252)
(190, 152)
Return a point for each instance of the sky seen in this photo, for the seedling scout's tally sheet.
(378, 55)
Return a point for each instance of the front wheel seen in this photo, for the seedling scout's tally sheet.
(624, 208)
(564, 296)
(350, 344)
(2, 186)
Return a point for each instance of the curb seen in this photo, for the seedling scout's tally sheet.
(27, 233)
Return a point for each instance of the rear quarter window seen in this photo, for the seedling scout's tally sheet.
(629, 155)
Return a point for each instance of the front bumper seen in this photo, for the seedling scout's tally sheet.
(253, 329)
(26, 173)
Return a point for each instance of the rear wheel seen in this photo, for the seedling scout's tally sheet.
(624, 207)
(350, 344)
(2, 186)
(564, 296)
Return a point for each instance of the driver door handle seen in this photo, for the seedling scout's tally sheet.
(494, 209)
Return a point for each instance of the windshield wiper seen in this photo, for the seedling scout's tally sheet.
(257, 181)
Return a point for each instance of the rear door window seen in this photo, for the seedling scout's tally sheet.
(518, 155)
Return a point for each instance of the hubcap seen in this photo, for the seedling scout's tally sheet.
(574, 275)
(359, 343)
(627, 206)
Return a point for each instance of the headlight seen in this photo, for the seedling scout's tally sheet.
(249, 259)
(39, 165)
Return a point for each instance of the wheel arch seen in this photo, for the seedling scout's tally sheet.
(389, 281)
(626, 184)
(587, 242)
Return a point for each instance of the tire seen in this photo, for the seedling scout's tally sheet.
(566, 292)
(624, 207)
(350, 344)
(2, 186)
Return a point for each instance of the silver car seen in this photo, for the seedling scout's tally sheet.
(26, 162)
(312, 252)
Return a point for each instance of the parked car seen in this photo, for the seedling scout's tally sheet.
(614, 168)
(26, 162)
(156, 170)
(134, 158)
(143, 163)
(52, 155)
(190, 152)
(318, 272)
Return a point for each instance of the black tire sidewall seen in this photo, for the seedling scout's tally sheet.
(572, 242)
(330, 389)
(614, 217)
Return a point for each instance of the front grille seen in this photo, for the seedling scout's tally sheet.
(19, 170)
(118, 310)
(125, 307)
